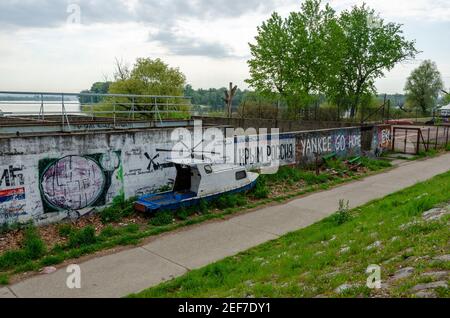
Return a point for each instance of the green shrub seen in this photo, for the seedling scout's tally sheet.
(109, 231)
(429, 153)
(261, 191)
(312, 178)
(240, 199)
(12, 258)
(203, 206)
(182, 214)
(223, 202)
(162, 218)
(4, 279)
(284, 174)
(337, 165)
(51, 260)
(375, 164)
(65, 230)
(119, 209)
(33, 245)
(343, 215)
(82, 237)
(111, 214)
(131, 228)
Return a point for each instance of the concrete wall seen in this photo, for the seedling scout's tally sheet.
(51, 178)
(343, 142)
(382, 139)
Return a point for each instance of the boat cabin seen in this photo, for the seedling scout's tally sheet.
(198, 180)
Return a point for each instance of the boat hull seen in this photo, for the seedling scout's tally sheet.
(172, 201)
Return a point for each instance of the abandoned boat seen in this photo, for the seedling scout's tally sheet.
(198, 181)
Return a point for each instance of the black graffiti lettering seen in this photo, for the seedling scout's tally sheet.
(247, 156)
(155, 165)
(259, 152)
(11, 177)
(282, 152)
(269, 152)
(290, 151)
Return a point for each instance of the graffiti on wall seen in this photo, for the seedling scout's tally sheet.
(12, 194)
(11, 176)
(78, 182)
(342, 142)
(148, 168)
(382, 140)
(154, 164)
(254, 154)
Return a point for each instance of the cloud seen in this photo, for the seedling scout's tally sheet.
(429, 10)
(181, 45)
(52, 13)
(164, 15)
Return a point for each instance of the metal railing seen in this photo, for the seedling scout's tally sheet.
(117, 106)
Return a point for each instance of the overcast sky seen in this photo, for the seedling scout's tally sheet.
(44, 46)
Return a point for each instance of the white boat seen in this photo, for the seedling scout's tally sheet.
(197, 180)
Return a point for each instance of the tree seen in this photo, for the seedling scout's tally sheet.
(148, 77)
(423, 87)
(292, 56)
(269, 67)
(446, 98)
(96, 88)
(372, 48)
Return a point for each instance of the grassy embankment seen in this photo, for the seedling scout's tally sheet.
(74, 242)
(315, 261)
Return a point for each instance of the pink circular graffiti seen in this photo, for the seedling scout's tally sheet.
(73, 183)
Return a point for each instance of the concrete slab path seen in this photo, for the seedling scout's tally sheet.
(174, 254)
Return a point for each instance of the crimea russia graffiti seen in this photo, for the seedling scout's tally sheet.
(74, 183)
(254, 154)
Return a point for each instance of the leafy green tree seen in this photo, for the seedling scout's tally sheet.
(270, 66)
(96, 88)
(423, 87)
(147, 77)
(446, 99)
(373, 47)
(213, 97)
(292, 57)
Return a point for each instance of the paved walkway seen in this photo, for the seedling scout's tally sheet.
(174, 254)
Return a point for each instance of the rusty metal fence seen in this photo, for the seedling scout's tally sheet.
(413, 140)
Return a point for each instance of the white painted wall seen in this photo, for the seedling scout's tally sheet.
(142, 169)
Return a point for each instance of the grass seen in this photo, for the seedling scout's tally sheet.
(317, 259)
(33, 254)
(4, 280)
(162, 218)
(119, 209)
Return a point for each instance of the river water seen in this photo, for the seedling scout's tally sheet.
(23, 107)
